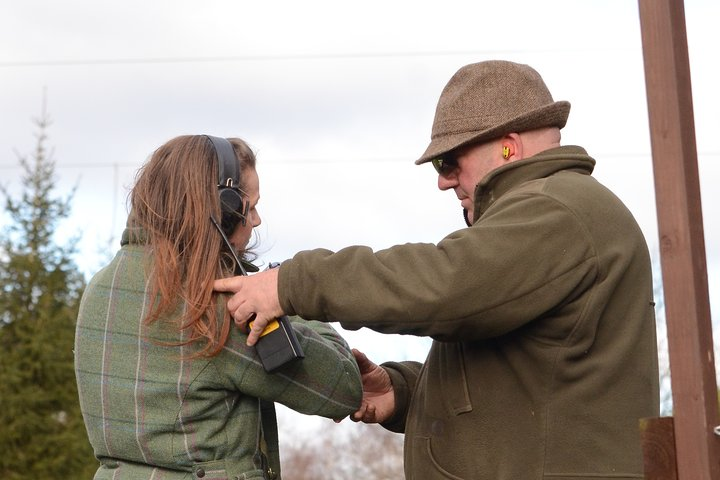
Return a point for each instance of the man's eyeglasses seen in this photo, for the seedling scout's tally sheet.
(444, 165)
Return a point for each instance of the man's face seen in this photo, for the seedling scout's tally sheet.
(466, 166)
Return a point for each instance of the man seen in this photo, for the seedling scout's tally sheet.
(544, 354)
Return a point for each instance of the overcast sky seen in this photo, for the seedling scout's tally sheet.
(337, 99)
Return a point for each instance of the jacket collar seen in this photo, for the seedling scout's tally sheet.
(133, 233)
(544, 164)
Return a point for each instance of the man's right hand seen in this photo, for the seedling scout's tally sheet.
(378, 400)
(255, 300)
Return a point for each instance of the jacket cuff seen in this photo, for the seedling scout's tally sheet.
(403, 376)
(283, 286)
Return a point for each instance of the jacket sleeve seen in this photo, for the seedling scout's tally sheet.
(403, 376)
(525, 256)
(326, 382)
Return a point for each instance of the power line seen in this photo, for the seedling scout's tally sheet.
(262, 58)
(315, 161)
(79, 165)
(277, 161)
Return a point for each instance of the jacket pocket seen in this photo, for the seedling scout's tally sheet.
(591, 476)
(453, 378)
(255, 474)
(426, 463)
(228, 469)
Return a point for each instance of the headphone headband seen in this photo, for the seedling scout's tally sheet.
(228, 168)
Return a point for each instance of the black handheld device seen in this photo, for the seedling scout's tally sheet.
(278, 343)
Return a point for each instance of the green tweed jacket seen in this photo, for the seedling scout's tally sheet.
(152, 413)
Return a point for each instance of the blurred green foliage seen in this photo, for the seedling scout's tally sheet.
(42, 434)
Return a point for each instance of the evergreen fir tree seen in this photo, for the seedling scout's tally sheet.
(42, 434)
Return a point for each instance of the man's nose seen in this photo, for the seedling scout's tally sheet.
(446, 182)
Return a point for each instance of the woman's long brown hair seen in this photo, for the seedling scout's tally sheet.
(174, 196)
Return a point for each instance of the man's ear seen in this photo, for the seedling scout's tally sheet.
(512, 147)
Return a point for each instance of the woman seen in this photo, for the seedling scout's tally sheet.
(168, 389)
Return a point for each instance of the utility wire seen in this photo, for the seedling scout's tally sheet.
(266, 58)
(278, 161)
(315, 161)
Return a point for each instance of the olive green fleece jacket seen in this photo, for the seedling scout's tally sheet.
(544, 355)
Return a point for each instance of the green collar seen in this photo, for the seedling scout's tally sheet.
(542, 165)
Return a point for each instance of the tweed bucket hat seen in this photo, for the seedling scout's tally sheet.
(484, 101)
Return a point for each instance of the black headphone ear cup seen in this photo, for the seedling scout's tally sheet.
(231, 206)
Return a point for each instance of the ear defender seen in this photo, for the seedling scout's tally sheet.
(233, 204)
(506, 152)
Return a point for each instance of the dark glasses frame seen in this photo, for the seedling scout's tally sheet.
(444, 165)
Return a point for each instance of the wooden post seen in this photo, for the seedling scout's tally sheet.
(682, 248)
(658, 440)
